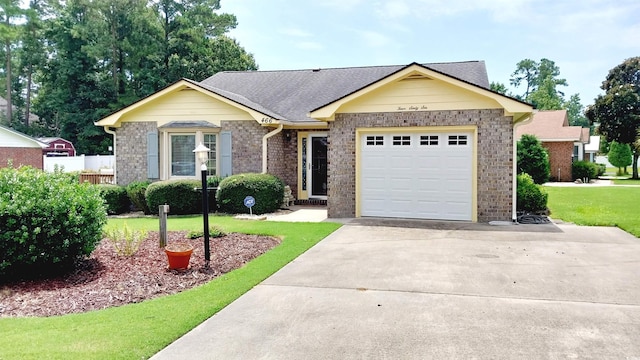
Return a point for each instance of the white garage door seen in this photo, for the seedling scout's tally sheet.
(417, 175)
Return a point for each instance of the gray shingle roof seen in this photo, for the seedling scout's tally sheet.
(291, 94)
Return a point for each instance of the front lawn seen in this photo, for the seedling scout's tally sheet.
(597, 206)
(138, 331)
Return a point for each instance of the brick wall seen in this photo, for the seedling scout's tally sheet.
(131, 151)
(246, 145)
(21, 156)
(495, 155)
(283, 157)
(560, 154)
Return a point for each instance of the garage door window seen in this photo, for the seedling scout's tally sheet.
(375, 140)
(401, 140)
(429, 140)
(458, 140)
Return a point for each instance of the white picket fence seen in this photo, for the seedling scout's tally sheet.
(79, 163)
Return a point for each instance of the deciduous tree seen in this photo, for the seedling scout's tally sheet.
(618, 110)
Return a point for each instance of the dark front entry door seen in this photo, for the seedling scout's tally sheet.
(318, 165)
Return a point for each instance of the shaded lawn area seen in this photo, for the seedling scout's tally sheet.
(626, 182)
(597, 206)
(138, 331)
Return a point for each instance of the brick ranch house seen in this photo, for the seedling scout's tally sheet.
(427, 141)
(565, 144)
(19, 149)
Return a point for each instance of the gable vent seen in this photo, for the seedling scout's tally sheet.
(417, 77)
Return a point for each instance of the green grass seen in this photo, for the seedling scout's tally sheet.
(597, 206)
(626, 182)
(138, 331)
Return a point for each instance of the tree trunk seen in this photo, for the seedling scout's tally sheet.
(635, 164)
(8, 75)
(27, 104)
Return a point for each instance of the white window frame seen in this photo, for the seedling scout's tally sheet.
(165, 152)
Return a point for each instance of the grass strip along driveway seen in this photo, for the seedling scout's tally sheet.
(597, 206)
(138, 331)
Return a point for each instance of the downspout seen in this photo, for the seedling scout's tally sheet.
(115, 173)
(264, 146)
(514, 185)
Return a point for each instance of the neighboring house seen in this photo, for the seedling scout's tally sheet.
(57, 147)
(591, 149)
(427, 141)
(564, 143)
(19, 149)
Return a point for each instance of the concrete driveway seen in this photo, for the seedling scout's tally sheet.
(438, 291)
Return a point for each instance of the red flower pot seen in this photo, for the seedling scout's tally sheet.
(178, 255)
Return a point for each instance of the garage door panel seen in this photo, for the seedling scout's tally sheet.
(417, 180)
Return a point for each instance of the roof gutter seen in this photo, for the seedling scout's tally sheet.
(115, 173)
(264, 146)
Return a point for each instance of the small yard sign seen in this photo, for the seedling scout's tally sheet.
(249, 201)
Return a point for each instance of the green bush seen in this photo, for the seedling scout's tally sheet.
(180, 195)
(268, 191)
(212, 184)
(48, 221)
(620, 156)
(135, 192)
(584, 169)
(531, 197)
(602, 168)
(533, 159)
(214, 232)
(115, 198)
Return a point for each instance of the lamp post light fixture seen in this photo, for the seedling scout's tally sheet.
(202, 153)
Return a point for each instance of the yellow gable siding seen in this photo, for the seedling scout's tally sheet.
(418, 95)
(186, 105)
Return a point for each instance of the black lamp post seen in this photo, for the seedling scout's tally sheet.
(202, 153)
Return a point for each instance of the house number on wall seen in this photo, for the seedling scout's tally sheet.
(267, 120)
(413, 108)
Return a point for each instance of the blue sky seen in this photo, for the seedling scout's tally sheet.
(585, 38)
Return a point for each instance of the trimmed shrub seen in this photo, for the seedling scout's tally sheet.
(620, 156)
(531, 197)
(268, 191)
(584, 169)
(115, 198)
(48, 222)
(533, 159)
(136, 191)
(180, 195)
(602, 169)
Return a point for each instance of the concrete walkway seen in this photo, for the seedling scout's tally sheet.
(438, 290)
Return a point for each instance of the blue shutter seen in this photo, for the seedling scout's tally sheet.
(153, 164)
(226, 166)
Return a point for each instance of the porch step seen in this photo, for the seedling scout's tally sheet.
(311, 202)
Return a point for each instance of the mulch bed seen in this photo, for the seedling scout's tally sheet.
(106, 279)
